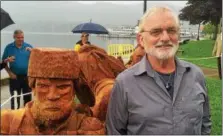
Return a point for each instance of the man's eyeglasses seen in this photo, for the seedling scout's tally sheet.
(158, 31)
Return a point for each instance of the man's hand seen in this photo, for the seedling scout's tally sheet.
(12, 75)
(28, 49)
(10, 59)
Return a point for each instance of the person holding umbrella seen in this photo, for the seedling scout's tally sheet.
(85, 29)
(84, 41)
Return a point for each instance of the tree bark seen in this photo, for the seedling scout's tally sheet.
(198, 32)
(216, 28)
(219, 67)
(215, 32)
(145, 5)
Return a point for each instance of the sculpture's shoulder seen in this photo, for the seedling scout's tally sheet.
(11, 119)
(91, 126)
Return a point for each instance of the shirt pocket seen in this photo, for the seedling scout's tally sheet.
(193, 104)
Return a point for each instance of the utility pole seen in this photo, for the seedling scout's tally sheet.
(145, 4)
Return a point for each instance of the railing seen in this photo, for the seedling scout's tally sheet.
(14, 96)
(123, 50)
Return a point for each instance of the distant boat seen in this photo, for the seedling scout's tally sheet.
(121, 32)
(185, 35)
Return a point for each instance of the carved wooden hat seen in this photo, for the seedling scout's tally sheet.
(58, 63)
(53, 63)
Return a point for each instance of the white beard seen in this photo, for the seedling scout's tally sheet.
(160, 53)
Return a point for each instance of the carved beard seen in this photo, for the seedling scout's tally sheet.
(45, 119)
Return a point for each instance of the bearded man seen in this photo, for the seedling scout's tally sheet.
(53, 76)
(160, 95)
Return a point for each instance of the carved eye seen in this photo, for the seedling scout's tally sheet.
(43, 85)
(63, 86)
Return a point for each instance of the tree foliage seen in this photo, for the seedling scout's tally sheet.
(209, 28)
(202, 11)
(192, 13)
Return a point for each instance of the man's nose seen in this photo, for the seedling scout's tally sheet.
(53, 95)
(165, 37)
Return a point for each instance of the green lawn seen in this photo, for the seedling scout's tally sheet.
(199, 49)
(215, 97)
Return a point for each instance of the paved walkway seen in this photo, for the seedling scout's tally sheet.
(209, 72)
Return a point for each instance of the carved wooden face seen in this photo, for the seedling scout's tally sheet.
(54, 98)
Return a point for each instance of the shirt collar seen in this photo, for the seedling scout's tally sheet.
(145, 66)
(16, 46)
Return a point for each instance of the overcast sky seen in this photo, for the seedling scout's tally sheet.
(106, 13)
(131, 2)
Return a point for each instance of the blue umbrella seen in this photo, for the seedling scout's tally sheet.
(90, 28)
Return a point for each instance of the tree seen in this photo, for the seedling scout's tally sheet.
(193, 14)
(209, 29)
(214, 11)
(203, 11)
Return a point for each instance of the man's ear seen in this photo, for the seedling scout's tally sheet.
(139, 38)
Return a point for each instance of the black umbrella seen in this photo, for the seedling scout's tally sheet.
(5, 19)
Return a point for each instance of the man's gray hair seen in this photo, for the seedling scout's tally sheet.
(18, 32)
(154, 10)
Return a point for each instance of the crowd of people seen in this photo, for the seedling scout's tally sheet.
(156, 94)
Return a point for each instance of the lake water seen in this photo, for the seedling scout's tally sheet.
(59, 40)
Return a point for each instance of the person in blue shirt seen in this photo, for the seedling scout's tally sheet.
(17, 70)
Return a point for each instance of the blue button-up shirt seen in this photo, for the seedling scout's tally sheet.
(140, 104)
(20, 65)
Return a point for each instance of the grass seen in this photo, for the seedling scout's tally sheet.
(215, 98)
(199, 49)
